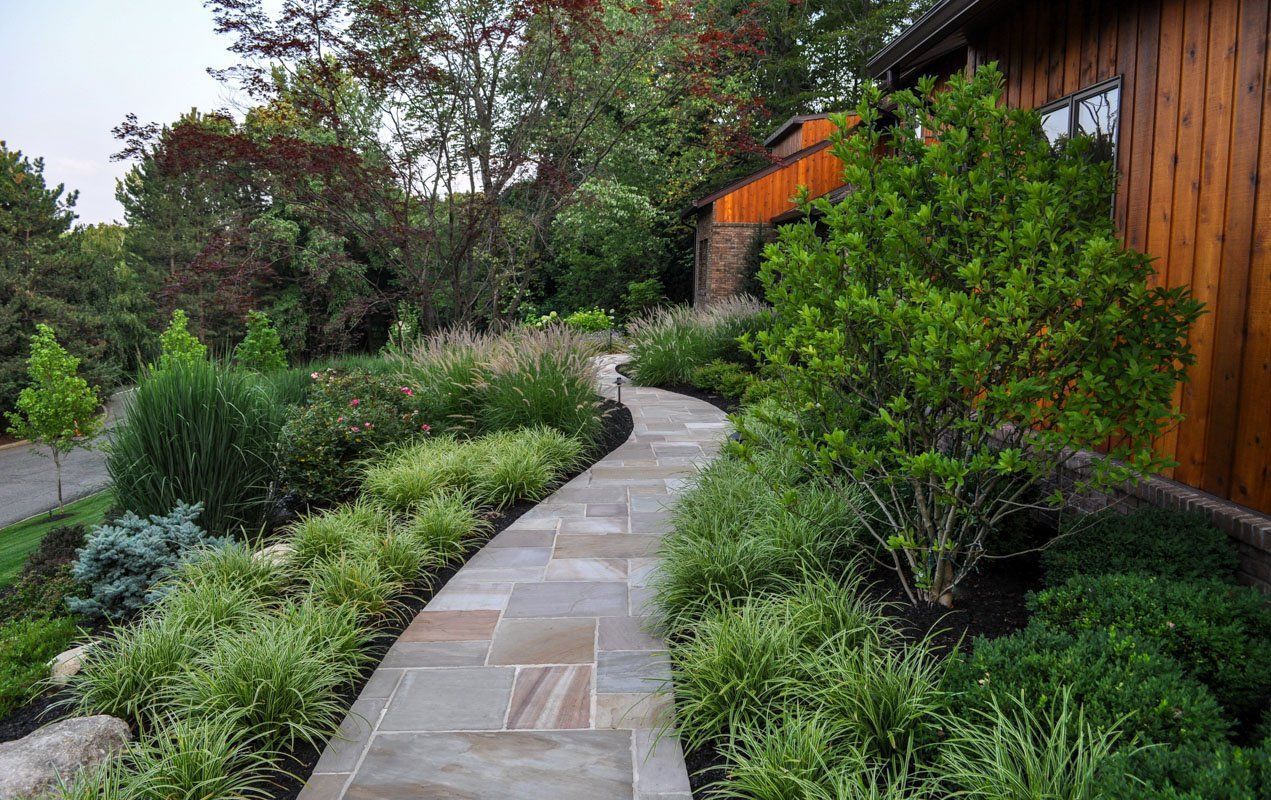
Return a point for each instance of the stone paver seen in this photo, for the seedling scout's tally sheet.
(533, 672)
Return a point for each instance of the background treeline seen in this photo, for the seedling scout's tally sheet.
(382, 177)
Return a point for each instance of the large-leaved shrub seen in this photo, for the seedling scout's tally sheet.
(123, 561)
(26, 646)
(197, 432)
(964, 318)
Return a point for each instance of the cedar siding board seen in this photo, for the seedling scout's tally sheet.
(1195, 132)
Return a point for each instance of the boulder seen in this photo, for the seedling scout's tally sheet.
(277, 553)
(68, 663)
(32, 765)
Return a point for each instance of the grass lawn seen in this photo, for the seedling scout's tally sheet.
(20, 538)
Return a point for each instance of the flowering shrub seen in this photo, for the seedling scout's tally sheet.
(350, 415)
(590, 320)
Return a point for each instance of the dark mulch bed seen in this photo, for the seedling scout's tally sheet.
(299, 764)
(726, 404)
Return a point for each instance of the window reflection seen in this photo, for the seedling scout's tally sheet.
(1097, 118)
(1055, 124)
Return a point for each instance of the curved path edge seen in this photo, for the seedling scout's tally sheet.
(532, 674)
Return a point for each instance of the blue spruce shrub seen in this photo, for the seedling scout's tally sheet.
(122, 561)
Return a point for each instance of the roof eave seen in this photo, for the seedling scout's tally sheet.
(938, 22)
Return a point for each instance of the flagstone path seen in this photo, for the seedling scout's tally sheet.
(531, 673)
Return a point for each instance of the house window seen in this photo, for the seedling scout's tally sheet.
(1094, 112)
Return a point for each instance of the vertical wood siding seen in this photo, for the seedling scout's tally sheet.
(1195, 132)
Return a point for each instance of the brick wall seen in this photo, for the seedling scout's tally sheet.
(728, 250)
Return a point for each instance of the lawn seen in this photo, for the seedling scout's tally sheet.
(20, 538)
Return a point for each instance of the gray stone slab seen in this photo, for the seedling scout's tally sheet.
(344, 751)
(416, 655)
(632, 671)
(659, 762)
(568, 599)
(463, 699)
(555, 765)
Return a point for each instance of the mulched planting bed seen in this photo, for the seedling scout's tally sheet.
(299, 764)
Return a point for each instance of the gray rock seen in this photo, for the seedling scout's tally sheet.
(68, 663)
(32, 765)
(278, 553)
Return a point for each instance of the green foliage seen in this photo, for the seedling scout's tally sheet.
(280, 678)
(642, 297)
(44, 580)
(122, 562)
(497, 469)
(359, 582)
(606, 239)
(178, 345)
(1190, 772)
(723, 377)
(345, 529)
(1153, 541)
(26, 647)
(234, 566)
(590, 320)
(349, 416)
(670, 344)
(447, 523)
(545, 379)
(965, 317)
(734, 537)
(51, 274)
(206, 759)
(1220, 634)
(198, 433)
(261, 349)
(1009, 751)
(58, 409)
(1118, 679)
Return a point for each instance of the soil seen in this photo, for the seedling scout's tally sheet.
(724, 403)
(297, 765)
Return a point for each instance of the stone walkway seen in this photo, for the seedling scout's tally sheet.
(530, 674)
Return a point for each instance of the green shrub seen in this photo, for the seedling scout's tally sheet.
(280, 679)
(122, 562)
(406, 477)
(1182, 545)
(642, 296)
(290, 387)
(198, 433)
(1190, 772)
(1114, 676)
(446, 523)
(985, 352)
(26, 647)
(1010, 751)
(449, 367)
(667, 346)
(785, 756)
(591, 320)
(350, 416)
(722, 377)
(177, 345)
(1220, 634)
(261, 349)
(45, 579)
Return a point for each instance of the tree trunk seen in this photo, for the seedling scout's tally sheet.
(57, 467)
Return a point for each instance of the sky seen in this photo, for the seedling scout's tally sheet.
(70, 70)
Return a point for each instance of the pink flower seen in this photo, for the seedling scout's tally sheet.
(367, 425)
(425, 428)
(313, 375)
(406, 390)
(355, 402)
(341, 419)
(353, 428)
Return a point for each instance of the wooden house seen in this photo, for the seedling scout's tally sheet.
(735, 221)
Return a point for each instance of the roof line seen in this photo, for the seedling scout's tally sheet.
(936, 21)
(797, 119)
(768, 170)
